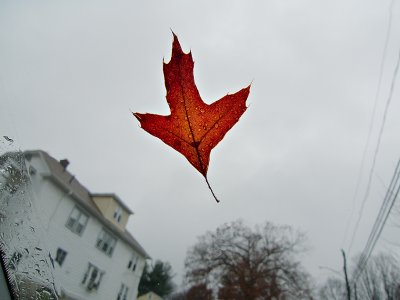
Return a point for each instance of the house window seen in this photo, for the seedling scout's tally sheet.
(118, 214)
(123, 292)
(132, 263)
(92, 278)
(106, 242)
(77, 221)
(60, 256)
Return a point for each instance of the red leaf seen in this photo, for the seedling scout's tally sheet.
(193, 128)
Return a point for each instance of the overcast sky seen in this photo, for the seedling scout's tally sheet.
(71, 71)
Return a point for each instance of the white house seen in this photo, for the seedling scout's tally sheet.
(93, 255)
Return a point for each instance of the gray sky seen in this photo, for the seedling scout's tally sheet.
(70, 71)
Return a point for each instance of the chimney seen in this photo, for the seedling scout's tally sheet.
(64, 163)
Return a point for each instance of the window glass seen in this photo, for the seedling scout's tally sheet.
(60, 256)
(92, 278)
(132, 262)
(106, 242)
(77, 221)
(118, 214)
(81, 223)
(123, 292)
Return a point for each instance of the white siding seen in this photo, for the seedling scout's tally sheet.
(55, 206)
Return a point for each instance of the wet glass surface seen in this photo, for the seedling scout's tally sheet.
(29, 266)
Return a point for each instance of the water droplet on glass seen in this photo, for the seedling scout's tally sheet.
(216, 125)
(8, 139)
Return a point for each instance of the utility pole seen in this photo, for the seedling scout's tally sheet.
(345, 276)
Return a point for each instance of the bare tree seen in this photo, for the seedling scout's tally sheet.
(333, 289)
(380, 279)
(244, 263)
(199, 292)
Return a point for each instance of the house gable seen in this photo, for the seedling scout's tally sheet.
(112, 209)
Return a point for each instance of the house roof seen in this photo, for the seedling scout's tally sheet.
(82, 196)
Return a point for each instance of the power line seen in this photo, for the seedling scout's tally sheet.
(374, 235)
(394, 187)
(364, 262)
(380, 221)
(368, 188)
(371, 124)
(385, 204)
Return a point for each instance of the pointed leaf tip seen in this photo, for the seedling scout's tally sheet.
(176, 46)
(137, 116)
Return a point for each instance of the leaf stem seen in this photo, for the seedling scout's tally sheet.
(212, 192)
